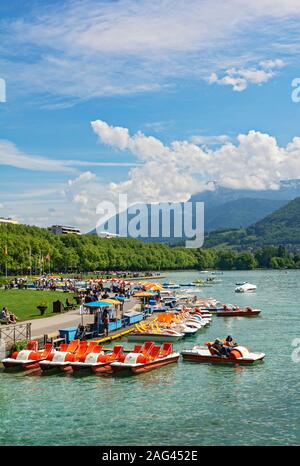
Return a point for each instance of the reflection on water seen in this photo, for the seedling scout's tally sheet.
(180, 404)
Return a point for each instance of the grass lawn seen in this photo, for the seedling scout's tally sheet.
(23, 303)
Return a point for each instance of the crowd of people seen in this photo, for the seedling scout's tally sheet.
(20, 283)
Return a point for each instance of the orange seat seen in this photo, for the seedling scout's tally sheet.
(166, 350)
(72, 346)
(116, 353)
(137, 349)
(32, 345)
(47, 350)
(212, 350)
(63, 347)
(81, 350)
(154, 352)
(92, 345)
(147, 347)
(117, 350)
(91, 349)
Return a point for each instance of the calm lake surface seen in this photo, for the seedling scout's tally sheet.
(183, 404)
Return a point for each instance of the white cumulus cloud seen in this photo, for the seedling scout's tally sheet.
(175, 171)
(240, 78)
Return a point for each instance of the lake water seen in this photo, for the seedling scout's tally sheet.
(183, 404)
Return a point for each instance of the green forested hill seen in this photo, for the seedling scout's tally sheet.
(261, 245)
(23, 246)
(282, 227)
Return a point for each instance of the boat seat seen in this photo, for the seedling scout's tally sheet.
(63, 347)
(32, 345)
(137, 349)
(47, 350)
(166, 350)
(81, 350)
(147, 347)
(91, 345)
(72, 346)
(212, 350)
(154, 352)
(94, 349)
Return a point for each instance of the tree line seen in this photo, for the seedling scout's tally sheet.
(26, 249)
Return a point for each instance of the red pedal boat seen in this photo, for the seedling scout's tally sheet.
(60, 360)
(145, 359)
(238, 312)
(28, 358)
(97, 360)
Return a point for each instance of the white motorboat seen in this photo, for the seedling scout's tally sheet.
(161, 336)
(246, 288)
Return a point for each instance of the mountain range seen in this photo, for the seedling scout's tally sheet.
(282, 227)
(226, 208)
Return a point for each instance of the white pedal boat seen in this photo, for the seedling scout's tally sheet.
(239, 355)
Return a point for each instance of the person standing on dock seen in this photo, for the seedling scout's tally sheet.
(105, 321)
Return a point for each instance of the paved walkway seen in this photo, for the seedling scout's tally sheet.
(50, 325)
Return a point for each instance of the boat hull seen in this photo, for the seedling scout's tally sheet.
(50, 368)
(194, 357)
(153, 337)
(21, 365)
(121, 368)
(237, 313)
(25, 366)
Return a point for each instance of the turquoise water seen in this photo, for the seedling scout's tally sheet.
(184, 404)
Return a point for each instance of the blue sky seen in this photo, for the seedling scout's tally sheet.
(180, 93)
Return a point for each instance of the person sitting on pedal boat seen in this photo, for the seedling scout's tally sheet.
(221, 349)
(229, 342)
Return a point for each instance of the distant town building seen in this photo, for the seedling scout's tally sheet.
(63, 230)
(9, 220)
(106, 234)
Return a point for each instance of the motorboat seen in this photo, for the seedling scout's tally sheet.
(246, 288)
(238, 355)
(187, 284)
(28, 358)
(157, 336)
(238, 312)
(192, 290)
(146, 360)
(213, 280)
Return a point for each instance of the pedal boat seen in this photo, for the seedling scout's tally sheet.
(239, 355)
(149, 358)
(83, 360)
(28, 358)
(98, 361)
(60, 360)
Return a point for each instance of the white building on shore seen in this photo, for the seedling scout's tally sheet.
(64, 230)
(8, 221)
